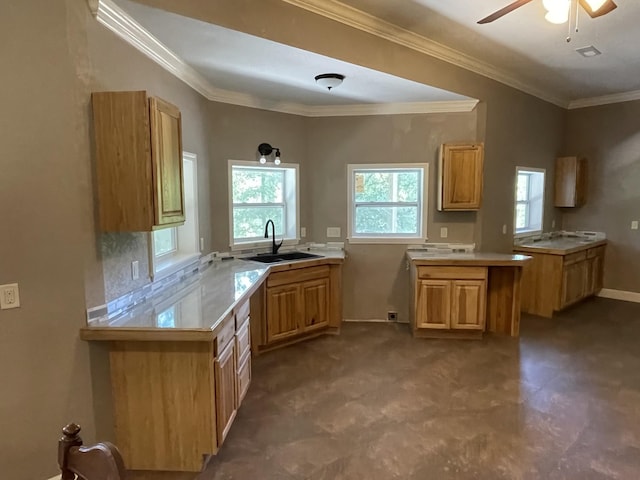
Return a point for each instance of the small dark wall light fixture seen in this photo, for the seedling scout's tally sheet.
(265, 150)
(329, 80)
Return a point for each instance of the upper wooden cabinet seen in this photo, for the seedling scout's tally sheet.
(570, 182)
(460, 176)
(138, 142)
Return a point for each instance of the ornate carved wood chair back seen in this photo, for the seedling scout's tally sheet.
(101, 461)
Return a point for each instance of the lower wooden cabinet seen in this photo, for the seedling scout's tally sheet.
(226, 402)
(552, 281)
(298, 302)
(175, 401)
(450, 299)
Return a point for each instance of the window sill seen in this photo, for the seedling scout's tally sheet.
(172, 264)
(526, 233)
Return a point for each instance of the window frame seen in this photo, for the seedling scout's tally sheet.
(529, 202)
(422, 204)
(291, 204)
(165, 264)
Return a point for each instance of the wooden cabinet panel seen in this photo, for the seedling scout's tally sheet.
(167, 162)
(433, 304)
(571, 182)
(283, 310)
(460, 176)
(226, 401)
(244, 378)
(138, 162)
(574, 283)
(468, 304)
(243, 342)
(595, 270)
(315, 304)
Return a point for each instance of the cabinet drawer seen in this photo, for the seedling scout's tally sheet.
(454, 273)
(297, 275)
(242, 314)
(595, 252)
(575, 257)
(226, 334)
(243, 342)
(244, 379)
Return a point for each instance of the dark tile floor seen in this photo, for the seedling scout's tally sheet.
(561, 402)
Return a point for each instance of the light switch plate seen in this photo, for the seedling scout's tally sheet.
(303, 232)
(333, 232)
(444, 232)
(9, 296)
(135, 270)
(634, 225)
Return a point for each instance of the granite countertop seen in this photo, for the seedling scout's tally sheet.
(560, 245)
(197, 309)
(420, 257)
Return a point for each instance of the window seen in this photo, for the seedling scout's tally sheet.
(258, 194)
(387, 203)
(529, 200)
(172, 248)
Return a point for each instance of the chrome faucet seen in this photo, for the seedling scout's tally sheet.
(274, 248)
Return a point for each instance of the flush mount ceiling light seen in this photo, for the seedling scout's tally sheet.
(329, 80)
(265, 150)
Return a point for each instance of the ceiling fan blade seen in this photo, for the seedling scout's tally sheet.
(503, 11)
(603, 10)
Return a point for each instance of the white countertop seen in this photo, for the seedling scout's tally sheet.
(205, 299)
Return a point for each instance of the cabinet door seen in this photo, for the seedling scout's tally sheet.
(283, 311)
(244, 378)
(226, 401)
(166, 153)
(433, 304)
(460, 179)
(468, 309)
(594, 274)
(315, 304)
(574, 282)
(570, 182)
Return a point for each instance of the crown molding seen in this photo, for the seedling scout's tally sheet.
(605, 100)
(390, 108)
(366, 22)
(126, 27)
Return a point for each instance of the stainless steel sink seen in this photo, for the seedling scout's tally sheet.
(281, 257)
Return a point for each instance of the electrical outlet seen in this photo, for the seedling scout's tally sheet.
(303, 232)
(634, 225)
(504, 229)
(553, 223)
(135, 270)
(392, 316)
(201, 244)
(9, 296)
(333, 232)
(444, 232)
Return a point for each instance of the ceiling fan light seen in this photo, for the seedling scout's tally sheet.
(596, 4)
(557, 16)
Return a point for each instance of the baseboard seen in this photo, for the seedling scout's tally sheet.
(620, 295)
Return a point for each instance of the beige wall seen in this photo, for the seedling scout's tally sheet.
(48, 243)
(375, 279)
(609, 137)
(45, 233)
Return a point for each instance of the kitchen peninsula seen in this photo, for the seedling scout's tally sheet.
(462, 295)
(181, 365)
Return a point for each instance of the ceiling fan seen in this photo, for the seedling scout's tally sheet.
(558, 9)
